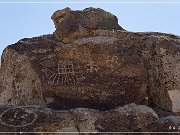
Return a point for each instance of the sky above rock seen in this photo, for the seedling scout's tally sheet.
(25, 20)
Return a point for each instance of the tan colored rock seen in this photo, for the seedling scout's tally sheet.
(71, 25)
(19, 81)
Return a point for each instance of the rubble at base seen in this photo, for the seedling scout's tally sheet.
(129, 118)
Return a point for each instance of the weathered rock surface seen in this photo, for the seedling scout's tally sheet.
(94, 72)
(85, 65)
(91, 62)
(71, 25)
(163, 70)
(108, 69)
(37, 119)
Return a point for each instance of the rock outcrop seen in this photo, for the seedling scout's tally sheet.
(72, 25)
(96, 72)
(90, 61)
(37, 119)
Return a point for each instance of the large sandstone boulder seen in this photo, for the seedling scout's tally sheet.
(37, 119)
(102, 69)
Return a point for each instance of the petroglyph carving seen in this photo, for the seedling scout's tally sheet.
(92, 67)
(64, 74)
(18, 117)
(80, 79)
(47, 62)
(46, 71)
(112, 62)
(65, 67)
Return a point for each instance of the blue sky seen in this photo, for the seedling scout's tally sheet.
(22, 20)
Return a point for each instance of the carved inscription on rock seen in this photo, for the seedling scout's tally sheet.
(18, 117)
(112, 62)
(61, 72)
(92, 67)
(65, 74)
(70, 72)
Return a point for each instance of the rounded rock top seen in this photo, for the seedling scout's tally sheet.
(71, 25)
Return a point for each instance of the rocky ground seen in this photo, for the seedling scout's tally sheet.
(91, 75)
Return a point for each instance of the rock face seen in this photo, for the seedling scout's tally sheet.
(107, 68)
(91, 62)
(37, 119)
(97, 72)
(19, 81)
(71, 25)
(163, 70)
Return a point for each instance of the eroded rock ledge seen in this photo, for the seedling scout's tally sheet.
(132, 117)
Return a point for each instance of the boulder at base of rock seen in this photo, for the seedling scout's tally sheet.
(35, 119)
(130, 118)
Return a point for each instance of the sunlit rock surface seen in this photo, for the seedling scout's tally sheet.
(71, 24)
(93, 64)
